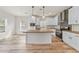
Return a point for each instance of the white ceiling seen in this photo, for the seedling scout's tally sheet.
(38, 10)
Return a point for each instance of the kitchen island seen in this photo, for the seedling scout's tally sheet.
(39, 36)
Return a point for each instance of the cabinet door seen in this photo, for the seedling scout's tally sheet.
(56, 20)
(71, 16)
(49, 21)
(76, 42)
(52, 20)
(72, 42)
(66, 37)
(74, 15)
(71, 39)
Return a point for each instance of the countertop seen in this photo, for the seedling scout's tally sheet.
(39, 31)
(76, 32)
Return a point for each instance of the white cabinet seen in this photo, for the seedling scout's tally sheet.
(76, 42)
(74, 15)
(38, 38)
(68, 38)
(55, 20)
(71, 39)
(43, 24)
(52, 20)
(71, 18)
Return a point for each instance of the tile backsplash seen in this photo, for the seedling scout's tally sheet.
(75, 27)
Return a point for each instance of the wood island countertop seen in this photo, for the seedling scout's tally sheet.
(39, 31)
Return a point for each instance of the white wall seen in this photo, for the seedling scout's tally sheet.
(26, 21)
(10, 25)
(75, 27)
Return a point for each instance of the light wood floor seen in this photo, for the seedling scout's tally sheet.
(17, 44)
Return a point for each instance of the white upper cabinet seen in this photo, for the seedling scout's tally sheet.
(52, 20)
(56, 20)
(74, 15)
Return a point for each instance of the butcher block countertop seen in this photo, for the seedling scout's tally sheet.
(39, 31)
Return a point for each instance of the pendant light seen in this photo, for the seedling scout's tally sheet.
(43, 12)
(32, 11)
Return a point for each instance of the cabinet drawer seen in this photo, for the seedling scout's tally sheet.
(71, 39)
(76, 43)
(74, 15)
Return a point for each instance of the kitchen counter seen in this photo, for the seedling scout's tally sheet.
(39, 31)
(42, 30)
(76, 32)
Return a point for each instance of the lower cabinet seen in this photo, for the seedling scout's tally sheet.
(38, 38)
(76, 43)
(71, 39)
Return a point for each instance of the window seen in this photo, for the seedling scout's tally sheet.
(2, 25)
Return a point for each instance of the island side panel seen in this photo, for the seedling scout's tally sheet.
(39, 38)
